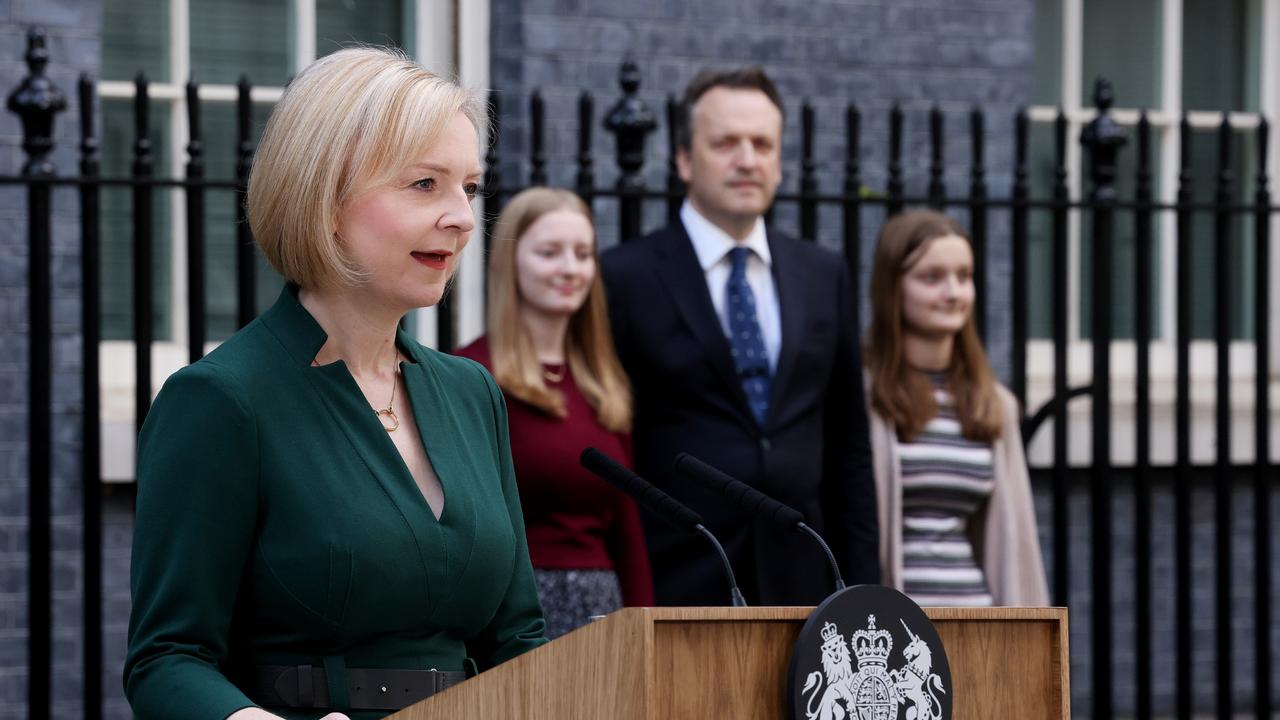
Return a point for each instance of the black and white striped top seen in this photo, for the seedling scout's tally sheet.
(946, 479)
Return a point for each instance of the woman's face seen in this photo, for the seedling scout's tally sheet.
(556, 262)
(937, 288)
(407, 234)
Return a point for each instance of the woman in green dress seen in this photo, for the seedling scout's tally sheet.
(327, 517)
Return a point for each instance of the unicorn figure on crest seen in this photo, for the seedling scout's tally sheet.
(917, 677)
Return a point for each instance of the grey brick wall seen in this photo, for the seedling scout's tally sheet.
(872, 52)
(73, 28)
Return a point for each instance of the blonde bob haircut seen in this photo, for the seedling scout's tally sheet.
(348, 122)
(588, 343)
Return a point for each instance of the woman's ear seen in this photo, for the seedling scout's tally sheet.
(337, 233)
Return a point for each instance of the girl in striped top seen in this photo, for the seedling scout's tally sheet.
(957, 525)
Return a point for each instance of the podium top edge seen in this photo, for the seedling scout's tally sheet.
(800, 614)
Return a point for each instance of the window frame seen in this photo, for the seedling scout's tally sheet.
(450, 37)
(1164, 120)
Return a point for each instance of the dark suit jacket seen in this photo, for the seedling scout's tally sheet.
(812, 453)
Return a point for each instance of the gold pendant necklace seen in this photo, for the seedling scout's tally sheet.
(388, 412)
(550, 376)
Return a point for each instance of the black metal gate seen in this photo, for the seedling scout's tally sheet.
(37, 102)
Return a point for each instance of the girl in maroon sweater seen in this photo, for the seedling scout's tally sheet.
(550, 350)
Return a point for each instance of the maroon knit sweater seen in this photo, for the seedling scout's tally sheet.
(573, 519)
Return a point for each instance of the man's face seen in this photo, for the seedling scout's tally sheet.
(733, 166)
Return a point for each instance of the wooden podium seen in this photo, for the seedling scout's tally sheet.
(670, 663)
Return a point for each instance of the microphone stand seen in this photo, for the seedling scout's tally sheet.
(831, 558)
(734, 593)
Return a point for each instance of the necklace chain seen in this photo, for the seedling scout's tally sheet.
(389, 411)
(552, 376)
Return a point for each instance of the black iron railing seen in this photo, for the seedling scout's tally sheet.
(37, 103)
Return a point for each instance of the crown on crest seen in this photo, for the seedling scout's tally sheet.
(872, 646)
(832, 641)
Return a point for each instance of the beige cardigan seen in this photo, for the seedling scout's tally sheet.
(1004, 531)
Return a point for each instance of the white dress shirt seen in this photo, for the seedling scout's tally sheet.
(712, 246)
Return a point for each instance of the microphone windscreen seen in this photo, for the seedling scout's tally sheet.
(736, 491)
(640, 489)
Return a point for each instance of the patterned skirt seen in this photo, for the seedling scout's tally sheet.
(570, 597)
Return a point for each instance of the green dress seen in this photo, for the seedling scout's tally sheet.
(278, 525)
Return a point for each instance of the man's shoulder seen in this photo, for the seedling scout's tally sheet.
(812, 256)
(639, 252)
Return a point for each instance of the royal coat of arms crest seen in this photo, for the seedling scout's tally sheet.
(872, 690)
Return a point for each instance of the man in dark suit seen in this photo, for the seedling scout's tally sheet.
(742, 349)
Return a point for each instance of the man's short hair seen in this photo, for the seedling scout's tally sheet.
(750, 77)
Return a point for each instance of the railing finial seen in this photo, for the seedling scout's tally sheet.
(631, 121)
(1103, 137)
(36, 101)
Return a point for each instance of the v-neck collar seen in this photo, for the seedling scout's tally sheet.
(295, 328)
(301, 335)
(453, 533)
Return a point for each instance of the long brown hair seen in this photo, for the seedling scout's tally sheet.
(588, 343)
(900, 393)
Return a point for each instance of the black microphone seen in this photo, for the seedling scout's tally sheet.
(662, 504)
(753, 501)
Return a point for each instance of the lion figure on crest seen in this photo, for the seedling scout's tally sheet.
(915, 678)
(838, 669)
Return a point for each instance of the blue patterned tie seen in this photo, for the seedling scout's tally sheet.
(746, 344)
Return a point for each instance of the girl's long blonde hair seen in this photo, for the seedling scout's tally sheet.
(588, 345)
(901, 394)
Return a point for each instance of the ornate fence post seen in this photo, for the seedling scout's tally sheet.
(1102, 139)
(246, 290)
(90, 413)
(675, 186)
(1018, 252)
(631, 121)
(36, 102)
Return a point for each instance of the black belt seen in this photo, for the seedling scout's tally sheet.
(307, 686)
